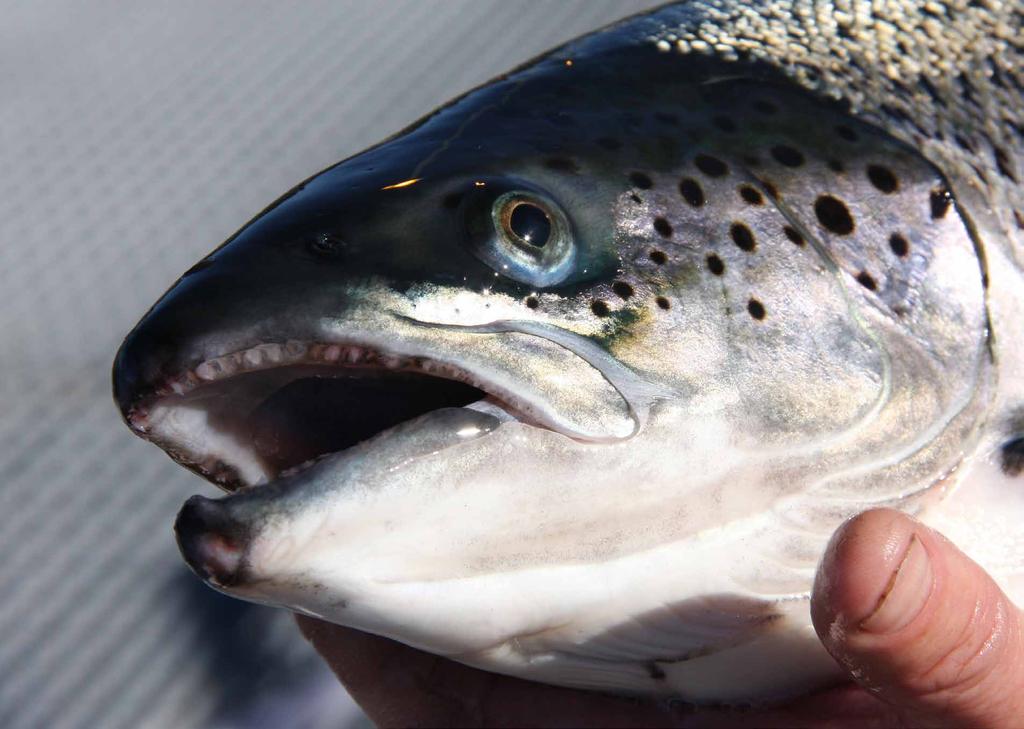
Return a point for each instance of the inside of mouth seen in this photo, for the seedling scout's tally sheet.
(253, 426)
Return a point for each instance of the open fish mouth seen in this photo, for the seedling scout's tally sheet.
(249, 416)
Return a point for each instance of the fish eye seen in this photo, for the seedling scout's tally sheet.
(528, 222)
(522, 234)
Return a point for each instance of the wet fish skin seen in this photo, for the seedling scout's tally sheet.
(739, 354)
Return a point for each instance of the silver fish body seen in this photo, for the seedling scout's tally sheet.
(574, 379)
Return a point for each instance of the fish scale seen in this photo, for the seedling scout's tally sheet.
(709, 282)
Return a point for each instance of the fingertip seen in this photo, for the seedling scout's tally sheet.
(916, 621)
(857, 569)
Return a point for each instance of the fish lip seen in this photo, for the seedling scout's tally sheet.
(340, 355)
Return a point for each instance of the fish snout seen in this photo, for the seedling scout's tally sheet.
(212, 541)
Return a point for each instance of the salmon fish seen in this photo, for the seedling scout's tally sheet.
(573, 379)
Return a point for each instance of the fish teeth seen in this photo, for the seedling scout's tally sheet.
(208, 370)
(229, 364)
(294, 351)
(271, 352)
(218, 367)
(331, 353)
(353, 355)
(252, 357)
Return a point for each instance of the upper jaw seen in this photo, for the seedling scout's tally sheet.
(208, 415)
(197, 415)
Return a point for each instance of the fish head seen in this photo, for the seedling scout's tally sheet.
(439, 253)
(552, 327)
(389, 339)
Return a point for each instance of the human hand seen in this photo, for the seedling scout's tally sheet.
(927, 637)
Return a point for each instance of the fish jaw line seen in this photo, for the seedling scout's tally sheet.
(172, 415)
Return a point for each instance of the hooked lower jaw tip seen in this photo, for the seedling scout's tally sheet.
(211, 543)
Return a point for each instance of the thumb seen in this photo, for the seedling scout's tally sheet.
(919, 624)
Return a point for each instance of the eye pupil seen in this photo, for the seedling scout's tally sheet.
(528, 222)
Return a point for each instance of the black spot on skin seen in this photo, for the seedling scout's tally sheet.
(769, 187)
(659, 257)
(600, 308)
(663, 303)
(655, 672)
(561, 164)
(451, 200)
(883, 178)
(641, 180)
(899, 245)
(663, 227)
(846, 133)
(765, 107)
(756, 309)
(1018, 217)
(788, 156)
(1003, 163)
(929, 87)
(835, 165)
(711, 166)
(609, 143)
(691, 191)
(968, 89)
(964, 143)
(751, 195)
(622, 289)
(742, 237)
(724, 123)
(531, 302)
(939, 199)
(715, 264)
(866, 280)
(635, 198)
(1013, 457)
(833, 215)
(794, 235)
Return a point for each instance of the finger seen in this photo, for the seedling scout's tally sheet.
(918, 623)
(400, 686)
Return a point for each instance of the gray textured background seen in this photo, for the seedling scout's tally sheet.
(134, 137)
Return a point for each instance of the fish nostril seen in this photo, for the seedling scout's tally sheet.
(326, 244)
(211, 542)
